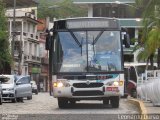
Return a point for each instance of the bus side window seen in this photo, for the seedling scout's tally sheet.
(133, 75)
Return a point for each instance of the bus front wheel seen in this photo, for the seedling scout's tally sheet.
(62, 102)
(115, 101)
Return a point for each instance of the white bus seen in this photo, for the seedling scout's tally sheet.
(86, 60)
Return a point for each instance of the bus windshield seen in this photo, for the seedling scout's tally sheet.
(88, 51)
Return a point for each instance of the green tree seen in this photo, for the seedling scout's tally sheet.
(150, 33)
(65, 9)
(5, 56)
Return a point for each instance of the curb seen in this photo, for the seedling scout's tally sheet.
(140, 105)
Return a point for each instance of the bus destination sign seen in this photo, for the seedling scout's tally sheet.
(91, 23)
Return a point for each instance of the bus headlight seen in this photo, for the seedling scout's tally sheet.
(61, 84)
(113, 83)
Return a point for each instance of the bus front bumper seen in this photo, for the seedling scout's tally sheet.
(71, 92)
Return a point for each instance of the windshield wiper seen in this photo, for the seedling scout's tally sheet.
(76, 40)
(98, 36)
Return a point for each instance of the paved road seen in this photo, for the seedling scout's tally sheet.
(44, 107)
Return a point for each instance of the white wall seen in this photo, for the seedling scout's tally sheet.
(90, 10)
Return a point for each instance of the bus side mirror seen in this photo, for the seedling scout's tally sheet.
(47, 45)
(49, 34)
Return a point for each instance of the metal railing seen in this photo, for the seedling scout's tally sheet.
(148, 87)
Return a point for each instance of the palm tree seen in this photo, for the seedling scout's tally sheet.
(151, 30)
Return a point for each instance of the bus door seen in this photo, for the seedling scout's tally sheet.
(131, 80)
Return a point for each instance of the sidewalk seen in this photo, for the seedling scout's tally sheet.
(145, 107)
(150, 108)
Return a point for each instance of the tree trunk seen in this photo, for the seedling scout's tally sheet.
(147, 63)
(151, 61)
(158, 58)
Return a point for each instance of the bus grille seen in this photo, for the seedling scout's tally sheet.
(88, 93)
(85, 85)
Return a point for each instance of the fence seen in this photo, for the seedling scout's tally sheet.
(148, 87)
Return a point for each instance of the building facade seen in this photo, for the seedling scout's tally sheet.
(26, 43)
(44, 55)
(128, 15)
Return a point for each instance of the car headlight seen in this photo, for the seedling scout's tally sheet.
(62, 83)
(10, 89)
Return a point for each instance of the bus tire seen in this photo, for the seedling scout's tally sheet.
(115, 101)
(106, 101)
(62, 102)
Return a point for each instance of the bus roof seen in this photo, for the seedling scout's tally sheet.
(87, 23)
(75, 18)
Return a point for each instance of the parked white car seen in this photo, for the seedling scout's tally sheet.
(34, 87)
(15, 88)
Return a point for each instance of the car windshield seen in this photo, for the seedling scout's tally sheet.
(89, 51)
(6, 79)
(141, 69)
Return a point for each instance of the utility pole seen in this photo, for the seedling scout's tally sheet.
(20, 55)
(13, 32)
(51, 54)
